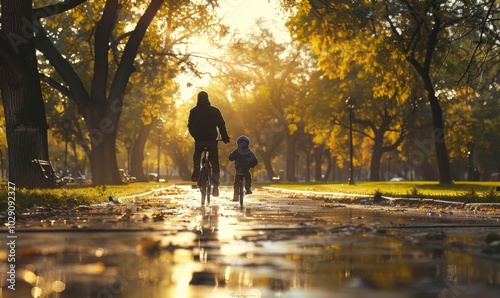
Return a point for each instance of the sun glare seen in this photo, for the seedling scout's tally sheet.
(241, 17)
(201, 45)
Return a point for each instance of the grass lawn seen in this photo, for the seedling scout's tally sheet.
(464, 191)
(78, 194)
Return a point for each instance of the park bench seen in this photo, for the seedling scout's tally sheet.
(276, 179)
(80, 180)
(126, 177)
(48, 172)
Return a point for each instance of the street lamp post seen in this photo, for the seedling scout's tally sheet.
(388, 167)
(1, 164)
(349, 102)
(297, 167)
(470, 161)
(147, 164)
(66, 125)
(128, 146)
(166, 169)
(159, 126)
(410, 156)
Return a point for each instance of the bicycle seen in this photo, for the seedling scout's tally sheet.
(205, 178)
(240, 187)
(205, 182)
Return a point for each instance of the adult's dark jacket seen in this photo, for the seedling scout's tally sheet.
(204, 119)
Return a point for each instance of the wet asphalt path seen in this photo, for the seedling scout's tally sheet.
(280, 244)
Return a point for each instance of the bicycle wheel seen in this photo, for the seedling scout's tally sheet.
(204, 185)
(241, 191)
(209, 184)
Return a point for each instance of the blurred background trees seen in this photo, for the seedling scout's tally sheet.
(423, 77)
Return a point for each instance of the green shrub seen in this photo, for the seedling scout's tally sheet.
(377, 197)
(491, 195)
(414, 192)
(471, 196)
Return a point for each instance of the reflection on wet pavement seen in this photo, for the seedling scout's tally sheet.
(276, 246)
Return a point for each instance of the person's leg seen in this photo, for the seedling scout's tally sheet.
(235, 188)
(213, 155)
(196, 163)
(248, 182)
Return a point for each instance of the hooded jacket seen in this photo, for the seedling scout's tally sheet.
(244, 158)
(204, 119)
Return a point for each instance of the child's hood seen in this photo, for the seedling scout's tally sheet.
(243, 141)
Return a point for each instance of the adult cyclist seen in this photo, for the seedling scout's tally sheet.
(205, 123)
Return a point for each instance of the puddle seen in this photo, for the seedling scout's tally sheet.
(264, 250)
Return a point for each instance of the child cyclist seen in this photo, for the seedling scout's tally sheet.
(244, 159)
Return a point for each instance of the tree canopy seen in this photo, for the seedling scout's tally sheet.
(423, 76)
(387, 37)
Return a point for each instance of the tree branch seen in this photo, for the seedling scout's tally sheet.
(55, 84)
(57, 8)
(483, 28)
(115, 42)
(61, 65)
(102, 35)
(126, 66)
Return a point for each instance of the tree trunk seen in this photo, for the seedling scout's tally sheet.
(330, 167)
(290, 157)
(25, 120)
(375, 161)
(318, 162)
(103, 163)
(104, 166)
(308, 162)
(438, 132)
(439, 141)
(182, 166)
(268, 165)
(101, 112)
(181, 161)
(137, 156)
(103, 153)
(427, 171)
(437, 114)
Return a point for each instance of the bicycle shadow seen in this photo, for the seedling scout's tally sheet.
(207, 245)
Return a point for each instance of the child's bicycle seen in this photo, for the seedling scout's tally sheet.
(239, 187)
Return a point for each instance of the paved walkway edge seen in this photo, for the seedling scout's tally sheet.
(133, 198)
(392, 199)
